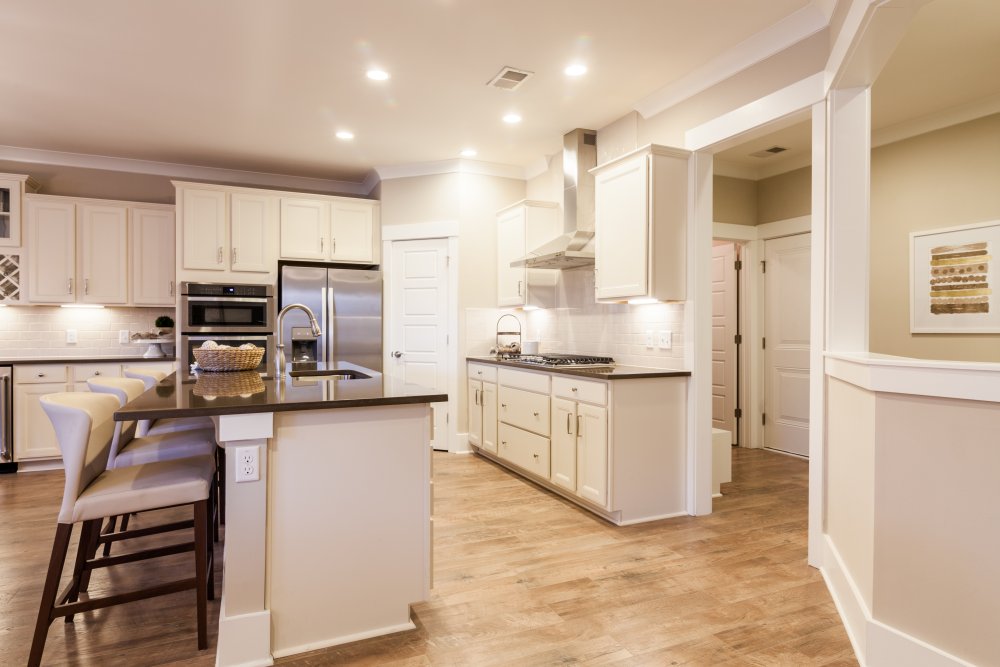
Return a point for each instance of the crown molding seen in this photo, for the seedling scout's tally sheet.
(371, 180)
(774, 39)
(456, 166)
(938, 120)
(181, 171)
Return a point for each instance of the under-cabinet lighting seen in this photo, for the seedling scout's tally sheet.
(81, 305)
(512, 118)
(3, 305)
(575, 69)
(529, 307)
(642, 301)
(345, 135)
(469, 152)
(377, 74)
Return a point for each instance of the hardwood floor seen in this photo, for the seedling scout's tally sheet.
(521, 577)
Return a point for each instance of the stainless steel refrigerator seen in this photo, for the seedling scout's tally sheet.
(348, 304)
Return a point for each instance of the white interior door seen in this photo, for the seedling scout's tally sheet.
(786, 352)
(418, 325)
(724, 337)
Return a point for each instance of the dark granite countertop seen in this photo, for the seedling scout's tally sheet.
(81, 360)
(608, 373)
(212, 394)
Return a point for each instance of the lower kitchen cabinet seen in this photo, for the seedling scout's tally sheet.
(592, 453)
(524, 449)
(483, 407)
(564, 443)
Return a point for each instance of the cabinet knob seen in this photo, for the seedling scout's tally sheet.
(535, 413)
(503, 405)
(41, 375)
(97, 372)
(503, 442)
(536, 456)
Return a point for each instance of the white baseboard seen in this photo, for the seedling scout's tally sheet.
(346, 639)
(244, 640)
(875, 643)
(462, 444)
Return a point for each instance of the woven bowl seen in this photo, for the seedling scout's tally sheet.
(232, 359)
(241, 383)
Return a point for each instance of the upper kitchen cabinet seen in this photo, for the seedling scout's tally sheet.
(204, 229)
(331, 229)
(103, 253)
(520, 228)
(51, 238)
(12, 188)
(252, 223)
(641, 225)
(153, 256)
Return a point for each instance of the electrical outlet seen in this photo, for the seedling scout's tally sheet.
(649, 339)
(666, 340)
(71, 336)
(247, 464)
(123, 336)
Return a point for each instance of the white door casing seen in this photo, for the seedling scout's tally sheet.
(418, 321)
(786, 352)
(724, 316)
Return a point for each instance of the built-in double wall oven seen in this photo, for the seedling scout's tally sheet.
(229, 315)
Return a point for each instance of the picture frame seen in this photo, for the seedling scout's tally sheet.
(954, 275)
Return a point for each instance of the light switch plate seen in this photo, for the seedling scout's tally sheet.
(123, 336)
(71, 336)
(666, 340)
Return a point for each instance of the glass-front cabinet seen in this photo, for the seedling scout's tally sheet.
(12, 186)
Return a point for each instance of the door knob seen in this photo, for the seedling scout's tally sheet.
(397, 354)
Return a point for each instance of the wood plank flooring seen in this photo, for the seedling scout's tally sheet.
(521, 577)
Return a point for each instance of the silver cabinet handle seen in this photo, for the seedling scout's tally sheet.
(579, 431)
(477, 398)
(86, 285)
(6, 432)
(397, 354)
(321, 244)
(333, 246)
(569, 425)
(234, 254)
(171, 288)
(218, 255)
(519, 284)
(69, 286)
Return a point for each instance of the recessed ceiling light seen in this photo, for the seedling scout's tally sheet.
(377, 74)
(575, 69)
(469, 152)
(345, 135)
(512, 118)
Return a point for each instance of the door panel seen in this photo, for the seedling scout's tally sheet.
(723, 338)
(489, 404)
(103, 253)
(564, 443)
(592, 453)
(475, 413)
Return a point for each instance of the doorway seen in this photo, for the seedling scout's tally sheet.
(727, 410)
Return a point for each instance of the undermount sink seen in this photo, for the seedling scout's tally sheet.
(335, 374)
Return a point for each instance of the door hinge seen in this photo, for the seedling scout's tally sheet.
(447, 260)
(738, 339)
(763, 343)
(763, 266)
(447, 418)
(763, 419)
(738, 265)
(738, 413)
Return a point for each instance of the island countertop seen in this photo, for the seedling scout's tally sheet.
(600, 373)
(213, 394)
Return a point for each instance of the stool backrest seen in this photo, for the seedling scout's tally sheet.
(84, 427)
(125, 390)
(149, 377)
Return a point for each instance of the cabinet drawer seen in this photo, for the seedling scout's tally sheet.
(525, 450)
(483, 372)
(580, 390)
(524, 409)
(537, 382)
(83, 372)
(40, 373)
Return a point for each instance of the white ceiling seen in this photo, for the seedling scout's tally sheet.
(263, 85)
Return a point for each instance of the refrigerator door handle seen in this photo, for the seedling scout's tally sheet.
(325, 348)
(6, 414)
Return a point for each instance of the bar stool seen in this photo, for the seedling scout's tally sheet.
(150, 379)
(85, 430)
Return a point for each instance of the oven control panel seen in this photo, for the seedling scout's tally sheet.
(226, 290)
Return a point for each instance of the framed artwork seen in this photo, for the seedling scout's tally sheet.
(953, 279)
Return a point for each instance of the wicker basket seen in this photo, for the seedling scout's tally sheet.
(232, 359)
(242, 383)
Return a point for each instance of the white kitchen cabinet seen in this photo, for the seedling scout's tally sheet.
(475, 413)
(153, 257)
(641, 225)
(305, 228)
(592, 453)
(12, 188)
(34, 437)
(103, 253)
(524, 449)
(51, 226)
(252, 220)
(483, 407)
(524, 409)
(564, 443)
(204, 229)
(521, 228)
(352, 228)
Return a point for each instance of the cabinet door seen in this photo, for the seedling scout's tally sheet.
(622, 230)
(511, 286)
(475, 413)
(153, 257)
(252, 219)
(34, 437)
(10, 212)
(351, 229)
(592, 453)
(489, 404)
(203, 227)
(564, 443)
(103, 252)
(51, 251)
(305, 228)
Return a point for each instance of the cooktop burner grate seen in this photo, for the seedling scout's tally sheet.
(564, 360)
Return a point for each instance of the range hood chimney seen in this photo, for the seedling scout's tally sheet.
(575, 247)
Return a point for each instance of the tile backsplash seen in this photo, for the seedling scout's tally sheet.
(580, 326)
(40, 331)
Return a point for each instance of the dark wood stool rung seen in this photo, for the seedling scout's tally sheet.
(143, 532)
(122, 598)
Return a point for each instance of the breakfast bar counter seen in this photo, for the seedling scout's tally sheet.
(329, 538)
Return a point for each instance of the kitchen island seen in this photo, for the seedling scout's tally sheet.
(332, 542)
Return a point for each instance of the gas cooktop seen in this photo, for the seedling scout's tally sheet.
(563, 360)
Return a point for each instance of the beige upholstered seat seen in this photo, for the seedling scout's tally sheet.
(84, 426)
(150, 379)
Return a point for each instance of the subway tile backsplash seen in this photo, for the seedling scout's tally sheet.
(40, 331)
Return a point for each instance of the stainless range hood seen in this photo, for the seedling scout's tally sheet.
(575, 246)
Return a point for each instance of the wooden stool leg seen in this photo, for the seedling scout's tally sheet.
(92, 544)
(112, 523)
(210, 511)
(84, 552)
(59, 547)
(221, 468)
(201, 542)
(125, 519)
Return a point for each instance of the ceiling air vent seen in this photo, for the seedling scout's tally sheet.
(768, 152)
(509, 78)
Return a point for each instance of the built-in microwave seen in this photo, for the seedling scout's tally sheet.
(222, 307)
(191, 342)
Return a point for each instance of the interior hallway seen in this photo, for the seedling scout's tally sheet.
(521, 577)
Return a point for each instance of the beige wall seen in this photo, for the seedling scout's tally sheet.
(734, 200)
(784, 196)
(940, 179)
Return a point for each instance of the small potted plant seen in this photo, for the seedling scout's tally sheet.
(164, 325)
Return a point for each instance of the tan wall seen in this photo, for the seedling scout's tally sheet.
(734, 200)
(941, 179)
(784, 196)
(937, 523)
(548, 186)
(95, 183)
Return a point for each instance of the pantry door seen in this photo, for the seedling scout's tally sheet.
(786, 344)
(418, 326)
